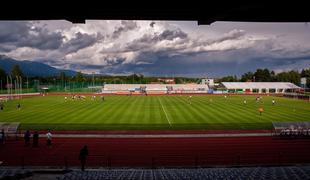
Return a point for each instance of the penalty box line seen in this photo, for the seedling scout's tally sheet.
(165, 112)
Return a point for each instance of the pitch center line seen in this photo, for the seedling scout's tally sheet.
(165, 112)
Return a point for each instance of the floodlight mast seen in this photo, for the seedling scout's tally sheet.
(11, 86)
(21, 86)
(7, 84)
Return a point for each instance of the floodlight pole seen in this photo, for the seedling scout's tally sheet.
(21, 85)
(93, 81)
(27, 84)
(7, 84)
(11, 86)
(17, 86)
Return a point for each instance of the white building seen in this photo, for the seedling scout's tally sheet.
(260, 87)
(208, 81)
(155, 88)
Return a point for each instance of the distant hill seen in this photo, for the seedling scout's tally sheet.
(32, 68)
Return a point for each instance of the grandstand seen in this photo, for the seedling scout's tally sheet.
(260, 87)
(154, 88)
(10, 128)
(230, 87)
(292, 129)
(290, 172)
(14, 173)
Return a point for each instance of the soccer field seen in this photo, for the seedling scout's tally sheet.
(153, 112)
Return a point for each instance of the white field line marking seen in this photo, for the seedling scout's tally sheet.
(164, 112)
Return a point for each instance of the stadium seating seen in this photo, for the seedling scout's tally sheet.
(156, 88)
(291, 172)
(292, 129)
(14, 173)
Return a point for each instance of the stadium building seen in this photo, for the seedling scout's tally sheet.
(154, 88)
(259, 87)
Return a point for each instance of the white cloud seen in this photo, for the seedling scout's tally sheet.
(120, 45)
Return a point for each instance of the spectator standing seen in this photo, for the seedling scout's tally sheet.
(35, 139)
(83, 156)
(27, 137)
(2, 137)
(49, 138)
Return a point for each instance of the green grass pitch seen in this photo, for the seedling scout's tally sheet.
(153, 112)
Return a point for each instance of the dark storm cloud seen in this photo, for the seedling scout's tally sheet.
(110, 65)
(80, 41)
(234, 34)
(125, 26)
(170, 35)
(234, 62)
(6, 48)
(148, 40)
(23, 34)
(152, 24)
(13, 31)
(52, 62)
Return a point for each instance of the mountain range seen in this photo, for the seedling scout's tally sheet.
(32, 68)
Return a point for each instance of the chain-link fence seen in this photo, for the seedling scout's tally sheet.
(31, 86)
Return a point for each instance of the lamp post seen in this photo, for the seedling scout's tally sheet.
(93, 81)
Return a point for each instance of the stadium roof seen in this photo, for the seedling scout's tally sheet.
(202, 12)
(259, 85)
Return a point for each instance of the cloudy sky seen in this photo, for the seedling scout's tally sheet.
(159, 48)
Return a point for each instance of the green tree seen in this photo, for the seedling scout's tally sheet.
(178, 80)
(2, 78)
(229, 79)
(306, 73)
(62, 76)
(79, 77)
(262, 75)
(16, 71)
(291, 76)
(272, 76)
(246, 77)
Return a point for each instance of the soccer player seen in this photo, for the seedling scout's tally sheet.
(225, 96)
(261, 110)
(18, 106)
(244, 102)
(190, 99)
(273, 102)
(1, 106)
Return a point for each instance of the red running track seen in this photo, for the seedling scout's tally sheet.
(154, 132)
(159, 152)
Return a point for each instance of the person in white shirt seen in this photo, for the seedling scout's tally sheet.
(49, 138)
(273, 101)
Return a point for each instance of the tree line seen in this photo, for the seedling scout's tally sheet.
(265, 75)
(85, 79)
(260, 75)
